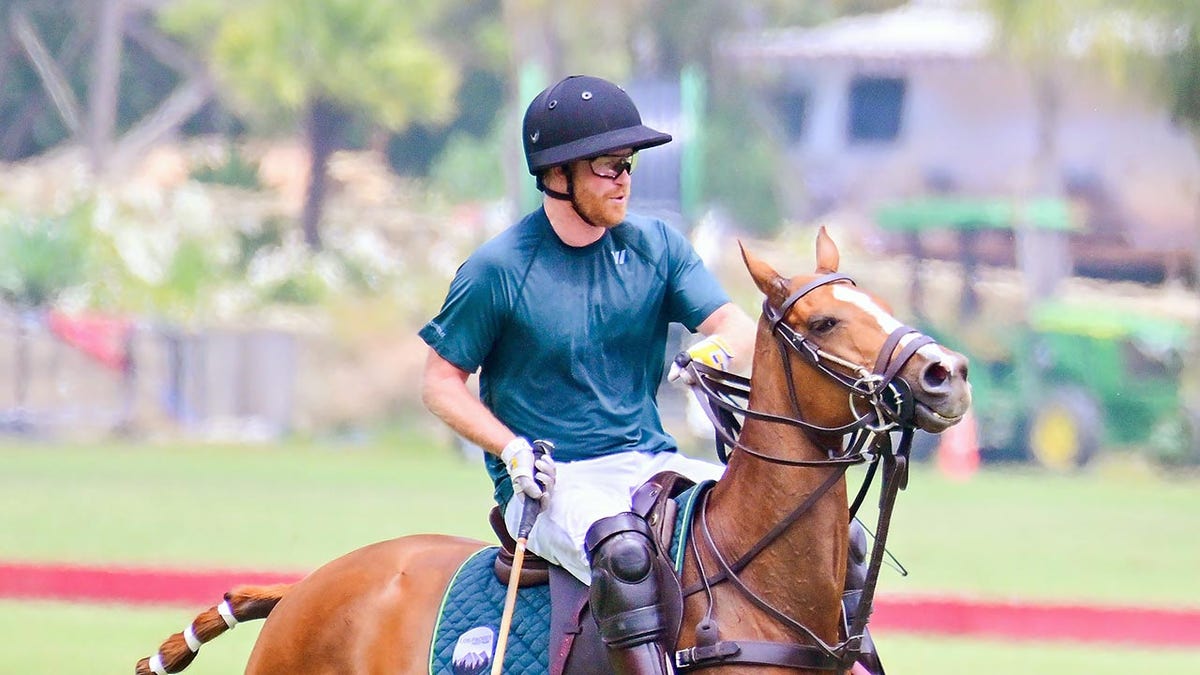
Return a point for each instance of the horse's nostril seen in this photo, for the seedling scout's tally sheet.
(936, 375)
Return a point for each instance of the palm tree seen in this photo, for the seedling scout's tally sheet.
(323, 64)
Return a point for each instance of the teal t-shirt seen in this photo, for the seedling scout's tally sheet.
(570, 341)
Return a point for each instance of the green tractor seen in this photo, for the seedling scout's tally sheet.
(1058, 381)
(1095, 377)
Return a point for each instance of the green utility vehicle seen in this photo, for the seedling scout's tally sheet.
(1083, 378)
(1058, 381)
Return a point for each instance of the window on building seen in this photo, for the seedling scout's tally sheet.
(876, 104)
(791, 108)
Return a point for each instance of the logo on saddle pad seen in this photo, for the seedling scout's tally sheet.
(473, 651)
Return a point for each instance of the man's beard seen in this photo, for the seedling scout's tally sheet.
(598, 210)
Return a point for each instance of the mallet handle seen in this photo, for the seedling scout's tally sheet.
(529, 513)
(510, 603)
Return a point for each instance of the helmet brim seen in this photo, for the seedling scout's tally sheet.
(637, 137)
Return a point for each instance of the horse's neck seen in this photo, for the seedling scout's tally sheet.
(770, 393)
(771, 491)
(755, 495)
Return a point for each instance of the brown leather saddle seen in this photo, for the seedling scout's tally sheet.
(575, 646)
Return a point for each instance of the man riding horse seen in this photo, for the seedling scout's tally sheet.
(564, 316)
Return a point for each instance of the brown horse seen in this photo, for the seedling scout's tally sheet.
(768, 558)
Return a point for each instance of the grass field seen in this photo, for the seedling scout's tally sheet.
(61, 638)
(1112, 536)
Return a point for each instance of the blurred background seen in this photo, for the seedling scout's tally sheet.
(222, 224)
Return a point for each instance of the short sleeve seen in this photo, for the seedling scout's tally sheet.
(693, 293)
(471, 317)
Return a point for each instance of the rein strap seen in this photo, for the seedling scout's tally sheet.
(719, 394)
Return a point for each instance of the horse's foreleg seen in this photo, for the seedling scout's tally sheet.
(243, 603)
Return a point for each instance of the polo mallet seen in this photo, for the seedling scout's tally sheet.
(529, 513)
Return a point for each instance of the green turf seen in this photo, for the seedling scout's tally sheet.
(62, 638)
(1105, 536)
(1111, 535)
(926, 655)
(276, 507)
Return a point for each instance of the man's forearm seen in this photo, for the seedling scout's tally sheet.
(469, 418)
(445, 393)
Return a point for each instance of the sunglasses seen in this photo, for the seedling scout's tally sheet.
(611, 166)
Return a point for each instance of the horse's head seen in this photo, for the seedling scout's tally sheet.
(823, 321)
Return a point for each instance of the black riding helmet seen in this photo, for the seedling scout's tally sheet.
(582, 117)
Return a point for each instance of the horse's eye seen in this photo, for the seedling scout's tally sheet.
(821, 324)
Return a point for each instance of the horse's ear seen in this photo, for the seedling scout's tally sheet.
(827, 253)
(765, 277)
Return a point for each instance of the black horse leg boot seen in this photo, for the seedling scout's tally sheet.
(856, 578)
(625, 594)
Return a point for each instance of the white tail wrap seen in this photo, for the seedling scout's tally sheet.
(193, 642)
(226, 613)
(156, 665)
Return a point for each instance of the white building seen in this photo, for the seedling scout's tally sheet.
(918, 101)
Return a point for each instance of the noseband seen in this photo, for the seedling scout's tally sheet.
(879, 402)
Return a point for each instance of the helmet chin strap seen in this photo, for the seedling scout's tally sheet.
(568, 196)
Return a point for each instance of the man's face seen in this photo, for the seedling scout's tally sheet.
(602, 201)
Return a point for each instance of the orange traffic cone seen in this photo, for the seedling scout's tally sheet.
(958, 450)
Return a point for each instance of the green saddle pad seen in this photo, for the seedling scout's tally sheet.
(465, 638)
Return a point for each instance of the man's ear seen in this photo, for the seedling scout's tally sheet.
(556, 177)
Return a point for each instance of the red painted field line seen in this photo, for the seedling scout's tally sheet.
(1135, 626)
(76, 583)
(1140, 626)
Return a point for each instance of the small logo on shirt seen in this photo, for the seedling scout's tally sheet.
(619, 257)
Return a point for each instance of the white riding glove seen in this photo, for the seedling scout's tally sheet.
(712, 351)
(532, 475)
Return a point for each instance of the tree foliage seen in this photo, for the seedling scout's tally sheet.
(1152, 45)
(1178, 26)
(340, 70)
(278, 55)
(40, 258)
(323, 64)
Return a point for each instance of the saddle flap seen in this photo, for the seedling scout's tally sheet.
(535, 571)
(655, 501)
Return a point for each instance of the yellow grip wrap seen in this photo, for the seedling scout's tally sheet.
(712, 352)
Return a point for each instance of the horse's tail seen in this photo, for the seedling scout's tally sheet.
(243, 603)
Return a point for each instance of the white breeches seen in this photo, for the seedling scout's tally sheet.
(590, 489)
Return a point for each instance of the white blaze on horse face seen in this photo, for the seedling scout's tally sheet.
(852, 296)
(887, 323)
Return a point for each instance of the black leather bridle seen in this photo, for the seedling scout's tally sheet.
(880, 403)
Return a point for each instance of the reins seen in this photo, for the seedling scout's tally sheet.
(890, 406)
